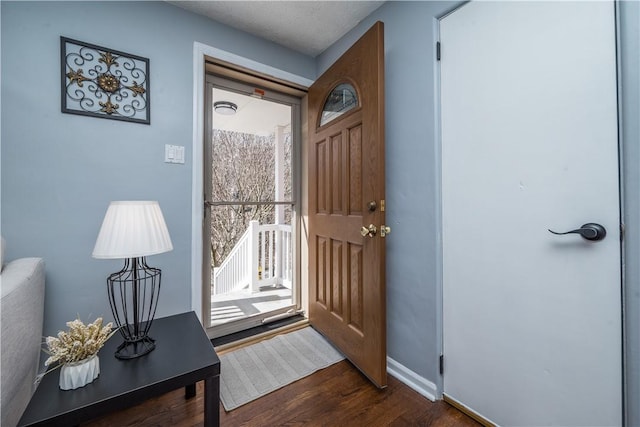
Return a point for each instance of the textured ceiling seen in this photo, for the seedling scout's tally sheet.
(305, 26)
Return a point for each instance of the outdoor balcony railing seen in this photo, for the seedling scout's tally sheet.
(262, 257)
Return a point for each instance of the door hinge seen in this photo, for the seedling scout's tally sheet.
(621, 232)
(442, 364)
(382, 205)
(438, 48)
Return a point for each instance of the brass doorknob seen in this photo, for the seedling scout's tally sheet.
(384, 230)
(368, 231)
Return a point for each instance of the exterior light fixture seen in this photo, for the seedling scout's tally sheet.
(225, 108)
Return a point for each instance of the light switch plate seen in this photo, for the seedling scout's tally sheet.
(174, 154)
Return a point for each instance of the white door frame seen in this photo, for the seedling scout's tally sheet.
(200, 51)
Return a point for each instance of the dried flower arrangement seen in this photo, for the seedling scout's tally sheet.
(80, 342)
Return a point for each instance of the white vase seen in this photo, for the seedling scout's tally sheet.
(80, 373)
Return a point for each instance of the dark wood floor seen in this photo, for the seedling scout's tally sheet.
(335, 396)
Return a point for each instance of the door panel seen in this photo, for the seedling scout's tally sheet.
(532, 320)
(346, 171)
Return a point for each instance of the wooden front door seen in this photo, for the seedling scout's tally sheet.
(347, 301)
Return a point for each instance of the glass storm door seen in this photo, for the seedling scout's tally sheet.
(250, 201)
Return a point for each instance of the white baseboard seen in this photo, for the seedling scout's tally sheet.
(411, 379)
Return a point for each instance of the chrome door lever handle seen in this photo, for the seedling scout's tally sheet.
(589, 231)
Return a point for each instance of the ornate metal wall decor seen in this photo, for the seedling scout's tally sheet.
(102, 82)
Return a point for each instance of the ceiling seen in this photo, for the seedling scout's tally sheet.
(308, 26)
(255, 116)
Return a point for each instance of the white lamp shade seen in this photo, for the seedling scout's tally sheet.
(132, 229)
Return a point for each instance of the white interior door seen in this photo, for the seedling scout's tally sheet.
(532, 320)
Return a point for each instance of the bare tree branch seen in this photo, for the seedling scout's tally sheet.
(243, 170)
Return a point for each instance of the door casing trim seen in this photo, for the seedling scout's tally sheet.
(200, 52)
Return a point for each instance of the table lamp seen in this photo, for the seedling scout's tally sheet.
(133, 230)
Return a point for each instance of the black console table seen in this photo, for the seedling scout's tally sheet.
(183, 356)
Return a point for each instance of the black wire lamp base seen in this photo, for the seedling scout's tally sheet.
(133, 295)
(133, 349)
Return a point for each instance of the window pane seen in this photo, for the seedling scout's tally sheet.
(251, 150)
(341, 99)
(252, 261)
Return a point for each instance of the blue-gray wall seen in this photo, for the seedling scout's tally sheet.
(60, 171)
(629, 57)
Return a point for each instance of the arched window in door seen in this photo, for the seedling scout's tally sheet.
(340, 100)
